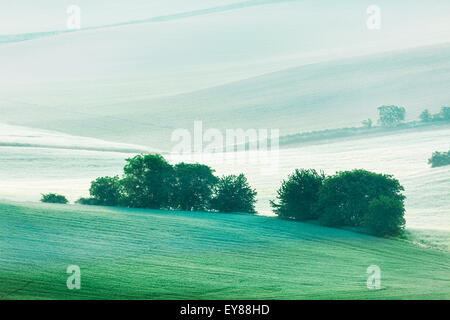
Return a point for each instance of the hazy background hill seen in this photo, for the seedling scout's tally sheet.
(317, 96)
(145, 69)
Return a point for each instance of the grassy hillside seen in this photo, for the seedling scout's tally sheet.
(146, 254)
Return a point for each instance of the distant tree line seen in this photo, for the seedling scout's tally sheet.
(443, 115)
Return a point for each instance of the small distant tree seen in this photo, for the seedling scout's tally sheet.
(233, 194)
(426, 116)
(148, 182)
(439, 159)
(385, 217)
(105, 191)
(391, 116)
(297, 196)
(344, 197)
(192, 187)
(367, 123)
(54, 198)
(445, 113)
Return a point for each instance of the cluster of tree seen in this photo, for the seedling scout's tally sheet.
(359, 198)
(443, 115)
(392, 116)
(149, 181)
(439, 159)
(54, 198)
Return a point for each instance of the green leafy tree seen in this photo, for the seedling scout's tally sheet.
(391, 116)
(233, 194)
(193, 185)
(54, 198)
(298, 195)
(105, 191)
(148, 182)
(344, 197)
(385, 217)
(426, 116)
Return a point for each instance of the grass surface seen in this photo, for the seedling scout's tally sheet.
(143, 254)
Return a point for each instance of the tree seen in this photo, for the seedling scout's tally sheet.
(385, 217)
(54, 198)
(367, 123)
(439, 159)
(233, 194)
(445, 113)
(391, 116)
(298, 195)
(426, 116)
(105, 191)
(193, 186)
(344, 197)
(148, 182)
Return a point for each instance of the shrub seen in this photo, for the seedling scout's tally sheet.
(148, 182)
(385, 217)
(54, 198)
(192, 188)
(298, 195)
(233, 194)
(345, 197)
(439, 159)
(87, 201)
(105, 191)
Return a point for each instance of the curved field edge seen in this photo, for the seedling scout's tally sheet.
(151, 254)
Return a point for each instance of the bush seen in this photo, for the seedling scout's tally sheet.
(54, 198)
(105, 191)
(148, 182)
(298, 195)
(192, 188)
(345, 197)
(87, 201)
(385, 217)
(233, 194)
(439, 159)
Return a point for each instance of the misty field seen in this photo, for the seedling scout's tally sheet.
(149, 254)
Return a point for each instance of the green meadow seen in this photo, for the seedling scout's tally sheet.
(153, 254)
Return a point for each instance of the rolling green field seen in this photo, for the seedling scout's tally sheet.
(150, 254)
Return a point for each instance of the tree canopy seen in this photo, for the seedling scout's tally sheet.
(233, 194)
(391, 116)
(298, 195)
